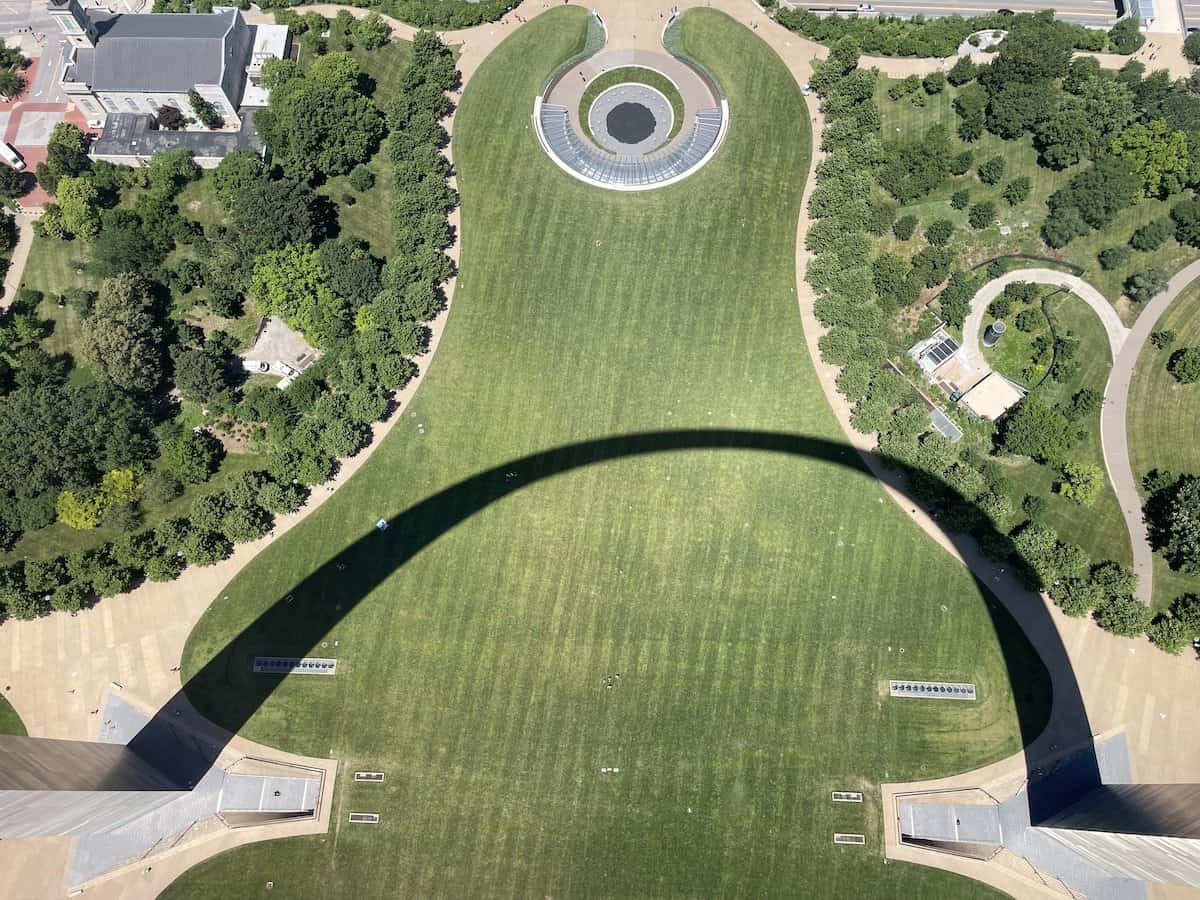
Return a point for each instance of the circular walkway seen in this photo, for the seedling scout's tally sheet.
(642, 158)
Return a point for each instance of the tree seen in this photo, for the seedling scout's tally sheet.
(1063, 225)
(1016, 108)
(1186, 215)
(971, 106)
(71, 597)
(982, 215)
(1158, 154)
(77, 198)
(1066, 137)
(319, 122)
(1081, 483)
(205, 548)
(371, 31)
(361, 178)
(66, 155)
(962, 71)
(198, 374)
(1100, 192)
(236, 172)
(170, 118)
(205, 112)
(1162, 339)
(1047, 558)
(1114, 257)
(1017, 190)
(1124, 616)
(269, 215)
(12, 183)
(1168, 634)
(960, 200)
(192, 457)
(1191, 47)
(1152, 235)
(939, 231)
(1141, 286)
(955, 301)
(1184, 365)
(80, 511)
(120, 338)
(164, 567)
(1126, 36)
(961, 162)
(1178, 525)
(1036, 429)
(904, 227)
(992, 170)
(934, 83)
(292, 284)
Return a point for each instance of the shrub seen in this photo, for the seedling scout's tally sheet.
(934, 83)
(1162, 339)
(1000, 307)
(982, 215)
(1124, 616)
(205, 112)
(1184, 365)
(961, 162)
(965, 70)
(1191, 47)
(1126, 37)
(960, 200)
(1168, 634)
(361, 178)
(1030, 320)
(1152, 235)
(939, 231)
(1017, 190)
(1081, 483)
(1114, 257)
(1141, 286)
(992, 170)
(904, 227)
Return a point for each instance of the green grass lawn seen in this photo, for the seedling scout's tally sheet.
(1099, 529)
(903, 121)
(1164, 423)
(369, 218)
(636, 75)
(754, 603)
(10, 722)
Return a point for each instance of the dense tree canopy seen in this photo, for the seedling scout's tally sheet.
(319, 121)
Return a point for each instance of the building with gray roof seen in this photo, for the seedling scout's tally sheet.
(125, 65)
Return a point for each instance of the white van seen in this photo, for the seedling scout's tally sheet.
(10, 155)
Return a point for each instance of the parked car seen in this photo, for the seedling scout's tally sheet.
(10, 155)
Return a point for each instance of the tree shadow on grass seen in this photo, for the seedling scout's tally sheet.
(227, 692)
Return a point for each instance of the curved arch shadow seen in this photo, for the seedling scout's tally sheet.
(295, 624)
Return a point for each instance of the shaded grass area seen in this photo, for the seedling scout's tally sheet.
(636, 75)
(10, 722)
(754, 604)
(1164, 423)
(904, 121)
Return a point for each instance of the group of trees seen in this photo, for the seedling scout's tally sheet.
(92, 453)
(881, 35)
(861, 288)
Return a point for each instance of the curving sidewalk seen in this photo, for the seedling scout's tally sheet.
(1114, 328)
(1114, 430)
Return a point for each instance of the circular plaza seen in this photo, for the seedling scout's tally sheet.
(631, 120)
